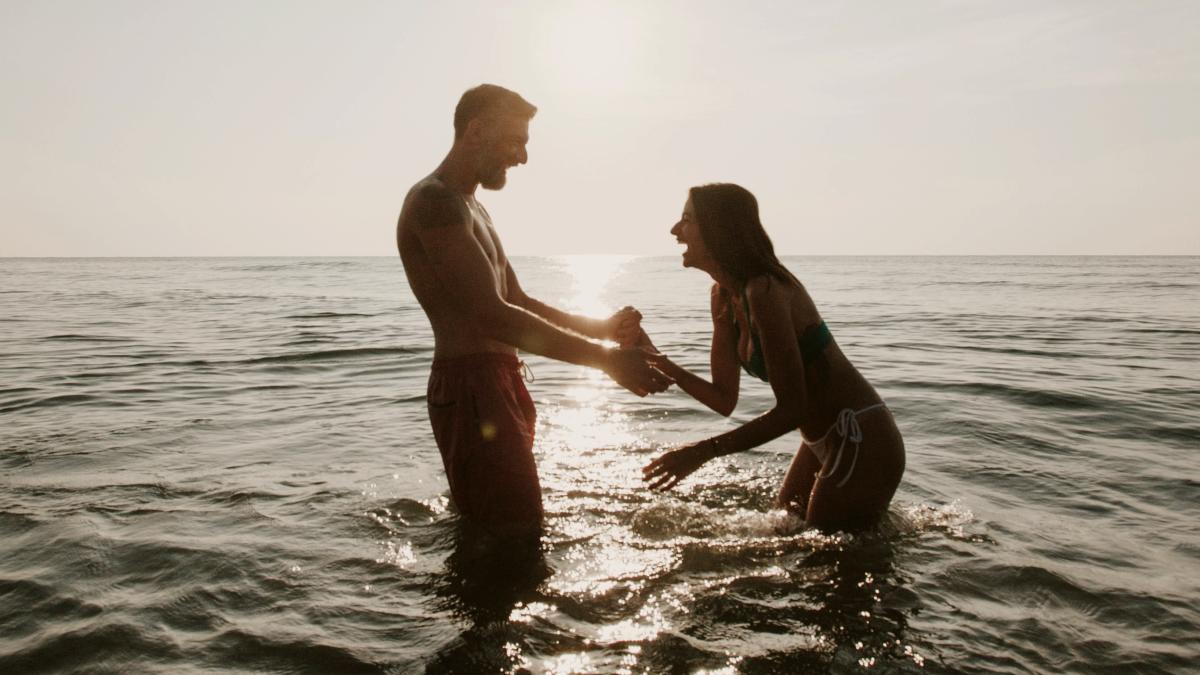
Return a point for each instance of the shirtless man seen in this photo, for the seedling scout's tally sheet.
(482, 415)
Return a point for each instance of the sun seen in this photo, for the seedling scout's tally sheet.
(594, 46)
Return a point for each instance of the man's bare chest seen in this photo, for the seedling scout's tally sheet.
(489, 242)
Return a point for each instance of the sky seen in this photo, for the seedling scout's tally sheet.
(134, 128)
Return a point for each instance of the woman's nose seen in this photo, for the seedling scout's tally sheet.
(677, 228)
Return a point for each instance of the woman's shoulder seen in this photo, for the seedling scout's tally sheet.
(767, 294)
(765, 288)
(718, 300)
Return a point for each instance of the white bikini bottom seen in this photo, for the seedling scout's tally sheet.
(847, 427)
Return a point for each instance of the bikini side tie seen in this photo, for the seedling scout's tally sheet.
(848, 428)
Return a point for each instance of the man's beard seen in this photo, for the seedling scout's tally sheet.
(494, 179)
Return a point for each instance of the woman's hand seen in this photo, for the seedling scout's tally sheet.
(665, 472)
(660, 360)
(622, 325)
(626, 327)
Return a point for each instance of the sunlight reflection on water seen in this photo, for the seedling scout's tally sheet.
(641, 561)
(591, 276)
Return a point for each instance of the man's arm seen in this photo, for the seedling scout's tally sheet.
(598, 329)
(444, 228)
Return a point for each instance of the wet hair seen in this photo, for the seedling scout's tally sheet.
(728, 218)
(489, 99)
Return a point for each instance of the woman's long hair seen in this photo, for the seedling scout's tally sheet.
(729, 224)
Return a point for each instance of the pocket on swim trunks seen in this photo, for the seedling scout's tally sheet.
(442, 393)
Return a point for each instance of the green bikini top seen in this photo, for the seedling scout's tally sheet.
(812, 344)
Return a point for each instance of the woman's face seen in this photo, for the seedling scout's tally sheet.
(687, 232)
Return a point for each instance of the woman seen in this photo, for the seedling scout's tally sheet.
(764, 321)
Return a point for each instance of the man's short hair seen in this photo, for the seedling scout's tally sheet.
(487, 99)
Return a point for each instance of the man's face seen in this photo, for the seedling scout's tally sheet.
(502, 145)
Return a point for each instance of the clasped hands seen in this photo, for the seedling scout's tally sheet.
(630, 366)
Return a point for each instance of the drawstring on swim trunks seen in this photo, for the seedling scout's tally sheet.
(526, 372)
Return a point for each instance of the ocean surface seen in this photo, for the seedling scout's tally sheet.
(224, 465)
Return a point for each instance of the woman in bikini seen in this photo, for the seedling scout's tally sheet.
(764, 322)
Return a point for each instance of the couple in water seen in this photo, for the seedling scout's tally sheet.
(851, 457)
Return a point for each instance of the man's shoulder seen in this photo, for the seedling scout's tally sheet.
(432, 205)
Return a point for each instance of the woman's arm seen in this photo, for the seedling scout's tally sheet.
(721, 395)
(770, 310)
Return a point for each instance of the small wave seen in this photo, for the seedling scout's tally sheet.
(327, 315)
(270, 387)
(1037, 398)
(1016, 351)
(260, 267)
(88, 376)
(73, 337)
(917, 518)
(1182, 435)
(1164, 331)
(53, 401)
(241, 496)
(406, 512)
(257, 652)
(1160, 285)
(13, 523)
(680, 522)
(308, 341)
(78, 650)
(39, 598)
(987, 282)
(102, 493)
(332, 355)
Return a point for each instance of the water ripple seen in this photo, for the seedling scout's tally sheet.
(225, 465)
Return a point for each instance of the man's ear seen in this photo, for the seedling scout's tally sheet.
(475, 131)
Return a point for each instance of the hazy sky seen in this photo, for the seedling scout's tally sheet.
(295, 128)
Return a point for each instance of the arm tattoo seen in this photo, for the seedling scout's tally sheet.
(438, 207)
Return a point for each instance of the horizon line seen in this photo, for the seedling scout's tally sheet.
(625, 255)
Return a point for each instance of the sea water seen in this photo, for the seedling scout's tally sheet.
(225, 465)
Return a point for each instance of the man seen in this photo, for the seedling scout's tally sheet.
(482, 415)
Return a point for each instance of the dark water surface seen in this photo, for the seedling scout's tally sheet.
(224, 465)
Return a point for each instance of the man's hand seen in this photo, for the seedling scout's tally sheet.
(631, 369)
(665, 472)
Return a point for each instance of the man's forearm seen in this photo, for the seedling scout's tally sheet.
(584, 325)
(530, 332)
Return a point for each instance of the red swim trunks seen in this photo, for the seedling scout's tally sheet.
(483, 420)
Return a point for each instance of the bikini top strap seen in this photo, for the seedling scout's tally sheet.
(746, 309)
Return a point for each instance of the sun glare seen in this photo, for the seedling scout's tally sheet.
(592, 274)
(582, 419)
(593, 46)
